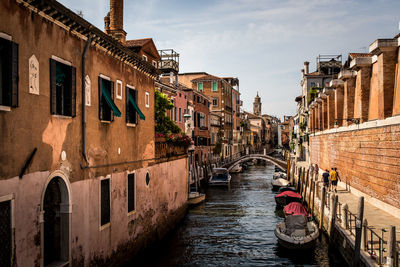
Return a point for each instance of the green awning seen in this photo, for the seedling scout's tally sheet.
(110, 102)
(141, 115)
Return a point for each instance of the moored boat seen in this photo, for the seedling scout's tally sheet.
(220, 176)
(195, 198)
(278, 183)
(279, 175)
(236, 169)
(286, 197)
(297, 231)
(287, 188)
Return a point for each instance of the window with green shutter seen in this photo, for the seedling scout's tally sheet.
(200, 87)
(62, 89)
(214, 86)
(107, 107)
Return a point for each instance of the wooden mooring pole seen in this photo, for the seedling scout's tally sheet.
(359, 222)
(392, 258)
(321, 213)
(314, 186)
(333, 216)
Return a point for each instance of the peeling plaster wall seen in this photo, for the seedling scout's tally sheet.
(159, 207)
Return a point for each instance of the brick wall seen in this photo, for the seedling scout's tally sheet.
(367, 159)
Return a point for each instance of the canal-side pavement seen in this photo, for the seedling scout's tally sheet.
(378, 215)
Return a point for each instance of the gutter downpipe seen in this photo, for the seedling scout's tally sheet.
(89, 40)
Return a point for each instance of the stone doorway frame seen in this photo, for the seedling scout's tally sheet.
(65, 213)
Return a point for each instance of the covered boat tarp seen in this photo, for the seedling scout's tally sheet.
(289, 194)
(296, 222)
(295, 208)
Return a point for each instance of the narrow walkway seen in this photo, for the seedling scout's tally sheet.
(376, 217)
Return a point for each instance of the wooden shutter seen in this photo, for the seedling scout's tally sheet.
(53, 94)
(137, 104)
(112, 97)
(195, 119)
(73, 91)
(100, 99)
(14, 74)
(127, 105)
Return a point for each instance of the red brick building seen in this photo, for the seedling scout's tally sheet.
(357, 124)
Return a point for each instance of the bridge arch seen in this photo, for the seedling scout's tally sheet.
(279, 163)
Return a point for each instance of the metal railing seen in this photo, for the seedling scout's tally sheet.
(373, 242)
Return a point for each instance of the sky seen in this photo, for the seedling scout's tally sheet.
(262, 42)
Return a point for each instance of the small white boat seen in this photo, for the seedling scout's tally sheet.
(195, 198)
(279, 175)
(236, 169)
(278, 183)
(220, 176)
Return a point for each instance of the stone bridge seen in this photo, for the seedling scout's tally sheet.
(280, 163)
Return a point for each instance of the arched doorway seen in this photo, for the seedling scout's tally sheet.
(56, 219)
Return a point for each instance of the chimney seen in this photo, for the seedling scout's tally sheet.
(306, 63)
(114, 21)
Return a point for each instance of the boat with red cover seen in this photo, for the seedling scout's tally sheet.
(297, 231)
(286, 197)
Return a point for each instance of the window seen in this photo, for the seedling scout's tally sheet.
(144, 57)
(147, 179)
(195, 119)
(62, 88)
(147, 100)
(198, 99)
(119, 90)
(172, 111)
(180, 114)
(131, 192)
(212, 138)
(215, 101)
(214, 86)
(312, 84)
(8, 73)
(104, 201)
(132, 108)
(175, 114)
(200, 87)
(107, 107)
(154, 63)
(6, 229)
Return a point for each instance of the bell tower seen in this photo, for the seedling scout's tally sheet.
(257, 106)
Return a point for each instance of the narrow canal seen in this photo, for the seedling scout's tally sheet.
(234, 227)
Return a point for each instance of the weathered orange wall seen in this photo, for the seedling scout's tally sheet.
(367, 159)
(396, 101)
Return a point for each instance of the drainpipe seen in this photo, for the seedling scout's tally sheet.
(84, 99)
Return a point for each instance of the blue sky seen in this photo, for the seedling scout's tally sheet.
(262, 42)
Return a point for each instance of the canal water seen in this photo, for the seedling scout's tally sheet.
(235, 226)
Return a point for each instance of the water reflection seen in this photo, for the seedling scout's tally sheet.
(235, 226)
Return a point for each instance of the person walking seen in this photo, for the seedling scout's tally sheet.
(325, 177)
(334, 179)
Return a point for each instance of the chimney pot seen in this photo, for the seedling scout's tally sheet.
(306, 64)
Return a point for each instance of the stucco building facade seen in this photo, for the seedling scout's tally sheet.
(81, 181)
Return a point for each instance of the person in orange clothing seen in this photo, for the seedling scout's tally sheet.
(334, 179)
